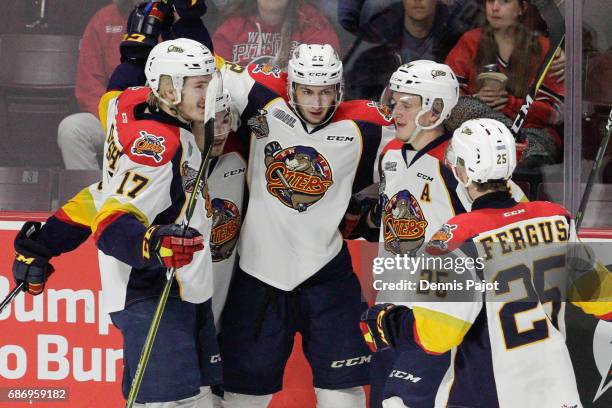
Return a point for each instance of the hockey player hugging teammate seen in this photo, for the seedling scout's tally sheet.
(510, 351)
(309, 151)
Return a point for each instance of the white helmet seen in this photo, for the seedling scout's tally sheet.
(223, 103)
(178, 59)
(435, 83)
(487, 149)
(316, 65)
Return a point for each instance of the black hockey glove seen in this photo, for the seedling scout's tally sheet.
(380, 325)
(144, 25)
(31, 264)
(190, 9)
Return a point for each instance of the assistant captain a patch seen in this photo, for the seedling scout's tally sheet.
(149, 145)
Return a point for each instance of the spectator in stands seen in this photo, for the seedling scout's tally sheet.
(403, 31)
(80, 136)
(505, 44)
(266, 31)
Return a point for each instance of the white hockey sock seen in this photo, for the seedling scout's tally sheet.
(344, 398)
(235, 400)
(202, 400)
(393, 402)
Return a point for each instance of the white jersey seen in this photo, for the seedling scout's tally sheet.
(226, 189)
(300, 180)
(418, 194)
(149, 171)
(510, 340)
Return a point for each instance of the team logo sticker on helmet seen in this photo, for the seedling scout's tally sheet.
(149, 145)
(259, 124)
(267, 69)
(298, 176)
(383, 109)
(437, 72)
(403, 224)
(225, 227)
(174, 48)
(439, 240)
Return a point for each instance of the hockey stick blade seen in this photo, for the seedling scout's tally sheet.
(556, 32)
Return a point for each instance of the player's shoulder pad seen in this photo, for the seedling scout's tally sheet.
(451, 235)
(539, 209)
(146, 142)
(393, 145)
(270, 76)
(439, 151)
(364, 111)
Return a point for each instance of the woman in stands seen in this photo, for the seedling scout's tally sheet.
(266, 31)
(513, 52)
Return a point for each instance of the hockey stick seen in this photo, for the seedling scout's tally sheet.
(9, 298)
(556, 32)
(594, 172)
(209, 130)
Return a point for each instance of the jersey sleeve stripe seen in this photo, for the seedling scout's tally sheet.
(103, 106)
(79, 210)
(112, 209)
(438, 332)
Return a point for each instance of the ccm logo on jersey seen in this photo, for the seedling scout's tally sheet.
(341, 138)
(515, 212)
(233, 172)
(351, 362)
(404, 376)
(424, 177)
(215, 358)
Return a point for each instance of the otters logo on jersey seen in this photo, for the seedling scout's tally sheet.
(383, 109)
(440, 238)
(298, 176)
(268, 69)
(225, 226)
(403, 224)
(149, 145)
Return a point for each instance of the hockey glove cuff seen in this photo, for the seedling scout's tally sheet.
(380, 325)
(31, 264)
(170, 246)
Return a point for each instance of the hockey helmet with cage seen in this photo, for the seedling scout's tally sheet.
(435, 83)
(177, 59)
(315, 65)
(485, 148)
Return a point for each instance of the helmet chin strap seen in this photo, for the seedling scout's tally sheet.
(419, 127)
(172, 106)
(464, 185)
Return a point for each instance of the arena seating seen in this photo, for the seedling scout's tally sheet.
(37, 77)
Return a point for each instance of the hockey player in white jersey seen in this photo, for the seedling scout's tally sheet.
(149, 171)
(510, 351)
(418, 193)
(309, 151)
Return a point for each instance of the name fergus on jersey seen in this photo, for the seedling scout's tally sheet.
(521, 237)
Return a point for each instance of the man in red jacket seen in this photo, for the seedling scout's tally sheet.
(80, 135)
